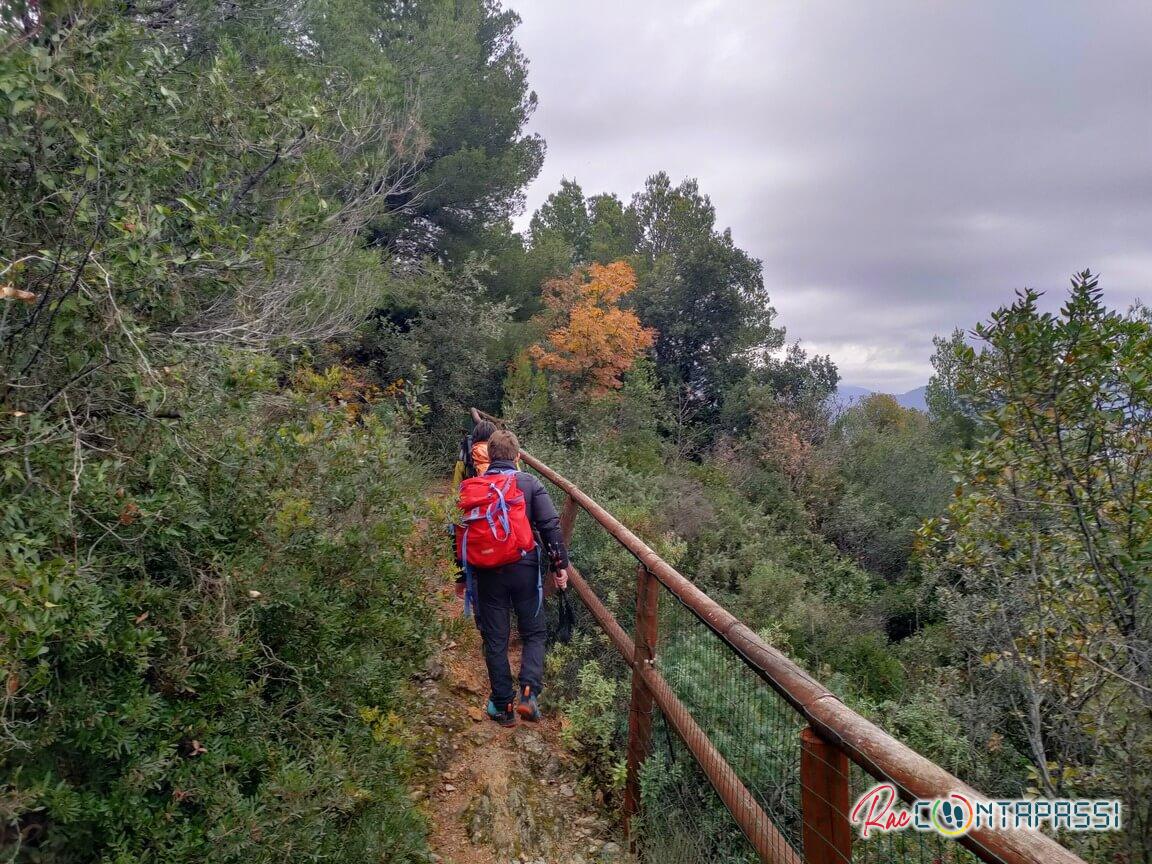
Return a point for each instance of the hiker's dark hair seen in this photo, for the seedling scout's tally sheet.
(503, 446)
(483, 430)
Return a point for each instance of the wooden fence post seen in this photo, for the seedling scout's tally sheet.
(827, 832)
(641, 705)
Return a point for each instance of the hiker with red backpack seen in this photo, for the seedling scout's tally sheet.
(503, 510)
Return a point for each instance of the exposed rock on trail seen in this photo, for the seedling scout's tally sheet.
(500, 795)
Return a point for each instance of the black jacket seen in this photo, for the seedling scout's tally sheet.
(541, 512)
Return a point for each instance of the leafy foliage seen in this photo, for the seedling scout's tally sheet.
(703, 294)
(564, 219)
(595, 340)
(432, 331)
(234, 213)
(189, 630)
(894, 477)
(525, 394)
(468, 79)
(206, 545)
(703, 297)
(952, 416)
(1043, 561)
(592, 725)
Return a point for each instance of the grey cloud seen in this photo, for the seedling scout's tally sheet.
(900, 167)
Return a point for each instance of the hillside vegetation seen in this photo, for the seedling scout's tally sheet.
(257, 260)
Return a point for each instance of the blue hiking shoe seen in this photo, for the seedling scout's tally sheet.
(506, 717)
(528, 709)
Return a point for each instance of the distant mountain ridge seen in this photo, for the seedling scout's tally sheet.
(846, 394)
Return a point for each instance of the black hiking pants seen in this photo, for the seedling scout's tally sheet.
(499, 593)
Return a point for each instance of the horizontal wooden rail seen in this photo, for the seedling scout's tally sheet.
(861, 740)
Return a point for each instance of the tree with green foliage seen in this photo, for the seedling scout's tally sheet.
(703, 294)
(955, 420)
(525, 403)
(805, 384)
(206, 617)
(614, 233)
(563, 218)
(892, 473)
(461, 67)
(599, 229)
(512, 270)
(435, 329)
(200, 649)
(1043, 561)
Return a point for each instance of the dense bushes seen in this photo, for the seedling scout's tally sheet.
(209, 554)
(191, 629)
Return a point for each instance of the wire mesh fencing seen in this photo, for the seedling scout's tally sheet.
(682, 820)
(756, 735)
(753, 729)
(806, 787)
(711, 762)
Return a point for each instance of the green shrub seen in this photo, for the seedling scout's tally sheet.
(593, 725)
(191, 626)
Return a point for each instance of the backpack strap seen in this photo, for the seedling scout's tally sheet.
(501, 507)
(502, 502)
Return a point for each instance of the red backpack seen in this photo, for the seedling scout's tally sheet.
(493, 528)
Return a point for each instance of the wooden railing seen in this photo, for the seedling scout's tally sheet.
(834, 734)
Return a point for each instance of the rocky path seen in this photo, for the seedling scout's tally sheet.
(499, 796)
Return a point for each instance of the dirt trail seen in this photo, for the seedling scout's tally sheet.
(500, 795)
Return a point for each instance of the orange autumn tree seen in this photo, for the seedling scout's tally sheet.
(594, 341)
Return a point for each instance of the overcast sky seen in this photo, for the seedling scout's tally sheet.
(899, 167)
